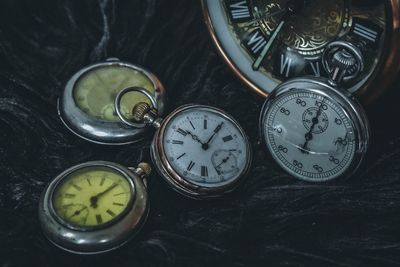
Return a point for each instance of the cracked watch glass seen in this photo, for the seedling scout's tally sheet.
(200, 151)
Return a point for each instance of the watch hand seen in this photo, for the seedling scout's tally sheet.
(194, 137)
(292, 7)
(95, 198)
(77, 212)
(223, 161)
(309, 136)
(216, 130)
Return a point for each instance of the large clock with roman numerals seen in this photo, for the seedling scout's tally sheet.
(267, 42)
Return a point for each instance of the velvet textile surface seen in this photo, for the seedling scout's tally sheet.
(272, 220)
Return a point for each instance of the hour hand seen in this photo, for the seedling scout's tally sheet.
(194, 137)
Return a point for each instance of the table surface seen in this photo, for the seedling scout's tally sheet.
(272, 219)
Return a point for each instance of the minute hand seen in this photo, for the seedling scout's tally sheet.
(264, 52)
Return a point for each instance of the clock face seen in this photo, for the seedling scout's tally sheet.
(270, 41)
(95, 92)
(309, 135)
(206, 147)
(92, 197)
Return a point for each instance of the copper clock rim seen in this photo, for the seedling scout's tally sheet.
(382, 76)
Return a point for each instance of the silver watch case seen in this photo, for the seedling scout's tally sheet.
(179, 183)
(351, 106)
(94, 240)
(100, 131)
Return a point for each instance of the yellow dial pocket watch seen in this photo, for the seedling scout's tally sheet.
(95, 206)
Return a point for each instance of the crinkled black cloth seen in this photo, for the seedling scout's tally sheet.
(272, 220)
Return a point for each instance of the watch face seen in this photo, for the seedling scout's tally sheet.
(268, 42)
(310, 135)
(92, 197)
(206, 147)
(95, 91)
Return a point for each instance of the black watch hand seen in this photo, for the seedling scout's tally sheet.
(194, 137)
(95, 198)
(309, 136)
(223, 161)
(216, 130)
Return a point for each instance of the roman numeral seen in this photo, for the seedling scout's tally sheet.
(102, 181)
(255, 42)
(176, 142)
(315, 67)
(204, 171)
(205, 124)
(366, 30)
(181, 156)
(118, 204)
(192, 125)
(182, 132)
(67, 195)
(88, 180)
(286, 64)
(227, 138)
(190, 166)
(239, 11)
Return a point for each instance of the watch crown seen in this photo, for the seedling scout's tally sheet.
(143, 169)
(343, 60)
(140, 110)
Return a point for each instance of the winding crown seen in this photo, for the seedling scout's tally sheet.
(140, 110)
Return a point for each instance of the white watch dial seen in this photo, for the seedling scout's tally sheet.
(309, 135)
(205, 147)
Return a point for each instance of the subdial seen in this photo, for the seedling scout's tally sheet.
(317, 122)
(224, 162)
(76, 213)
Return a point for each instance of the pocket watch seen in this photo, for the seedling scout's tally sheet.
(200, 151)
(94, 207)
(314, 129)
(268, 42)
(86, 106)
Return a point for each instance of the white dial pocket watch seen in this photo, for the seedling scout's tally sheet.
(86, 106)
(314, 129)
(199, 150)
(95, 207)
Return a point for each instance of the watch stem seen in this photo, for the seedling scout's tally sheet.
(342, 61)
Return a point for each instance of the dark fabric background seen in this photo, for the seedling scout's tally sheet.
(271, 220)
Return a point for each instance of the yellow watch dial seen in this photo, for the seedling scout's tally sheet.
(95, 91)
(92, 196)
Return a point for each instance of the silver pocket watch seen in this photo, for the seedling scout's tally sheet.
(94, 207)
(86, 106)
(314, 129)
(200, 151)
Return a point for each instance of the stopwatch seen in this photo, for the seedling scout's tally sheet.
(200, 151)
(313, 129)
(94, 207)
(86, 106)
